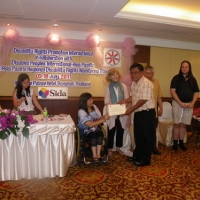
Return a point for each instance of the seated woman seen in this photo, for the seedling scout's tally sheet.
(24, 96)
(89, 119)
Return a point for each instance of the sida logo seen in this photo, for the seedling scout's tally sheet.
(57, 93)
(43, 92)
(53, 93)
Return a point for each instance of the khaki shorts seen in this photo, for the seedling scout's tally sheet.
(181, 115)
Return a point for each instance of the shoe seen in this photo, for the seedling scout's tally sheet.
(156, 152)
(95, 160)
(181, 145)
(175, 145)
(141, 163)
(132, 159)
(103, 160)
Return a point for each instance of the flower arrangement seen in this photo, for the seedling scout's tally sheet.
(12, 121)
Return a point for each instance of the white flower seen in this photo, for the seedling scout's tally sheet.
(21, 123)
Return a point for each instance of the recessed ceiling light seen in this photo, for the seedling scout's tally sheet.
(55, 25)
(8, 24)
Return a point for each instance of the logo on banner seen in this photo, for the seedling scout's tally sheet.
(112, 57)
(52, 93)
(43, 93)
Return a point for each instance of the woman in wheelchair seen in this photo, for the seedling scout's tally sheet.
(89, 119)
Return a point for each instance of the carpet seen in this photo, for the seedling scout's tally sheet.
(171, 176)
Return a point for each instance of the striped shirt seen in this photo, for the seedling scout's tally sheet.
(142, 90)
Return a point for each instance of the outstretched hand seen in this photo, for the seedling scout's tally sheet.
(106, 117)
(121, 102)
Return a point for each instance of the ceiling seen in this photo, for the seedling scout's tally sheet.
(107, 17)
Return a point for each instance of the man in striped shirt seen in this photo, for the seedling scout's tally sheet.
(143, 106)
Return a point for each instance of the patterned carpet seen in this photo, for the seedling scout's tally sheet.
(172, 176)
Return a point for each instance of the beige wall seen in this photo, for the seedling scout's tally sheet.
(166, 62)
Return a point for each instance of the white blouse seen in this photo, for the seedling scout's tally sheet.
(107, 100)
(30, 105)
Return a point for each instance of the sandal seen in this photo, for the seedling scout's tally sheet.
(95, 160)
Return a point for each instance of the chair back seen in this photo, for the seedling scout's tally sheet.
(167, 112)
(196, 112)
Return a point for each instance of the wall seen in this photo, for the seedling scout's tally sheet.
(166, 62)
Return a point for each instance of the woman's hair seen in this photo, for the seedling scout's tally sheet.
(111, 72)
(22, 77)
(83, 101)
(190, 69)
(190, 76)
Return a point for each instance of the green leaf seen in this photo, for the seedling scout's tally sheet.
(25, 132)
(14, 131)
(3, 135)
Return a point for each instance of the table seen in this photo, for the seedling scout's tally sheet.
(48, 152)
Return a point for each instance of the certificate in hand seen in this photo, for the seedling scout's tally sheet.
(116, 109)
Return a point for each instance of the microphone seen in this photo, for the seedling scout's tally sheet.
(23, 95)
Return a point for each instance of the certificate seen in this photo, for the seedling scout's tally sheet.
(116, 109)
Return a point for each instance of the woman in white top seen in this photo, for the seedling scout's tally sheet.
(115, 92)
(24, 97)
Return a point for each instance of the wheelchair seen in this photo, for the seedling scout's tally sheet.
(83, 148)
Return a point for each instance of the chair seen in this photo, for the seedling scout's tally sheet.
(165, 125)
(195, 125)
(83, 148)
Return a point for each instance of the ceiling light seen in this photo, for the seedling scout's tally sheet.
(8, 24)
(55, 25)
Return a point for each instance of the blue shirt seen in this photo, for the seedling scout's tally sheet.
(83, 117)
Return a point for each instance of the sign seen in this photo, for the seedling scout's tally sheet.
(112, 57)
(52, 93)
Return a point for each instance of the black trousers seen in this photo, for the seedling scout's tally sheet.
(119, 134)
(144, 132)
(96, 138)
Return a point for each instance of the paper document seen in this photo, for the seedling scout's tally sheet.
(116, 109)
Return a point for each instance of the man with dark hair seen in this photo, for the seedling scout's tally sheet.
(157, 92)
(143, 107)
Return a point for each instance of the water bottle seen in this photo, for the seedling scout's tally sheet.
(45, 115)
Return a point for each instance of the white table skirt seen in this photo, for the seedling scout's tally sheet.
(49, 151)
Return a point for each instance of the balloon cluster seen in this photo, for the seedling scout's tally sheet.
(128, 46)
(11, 35)
(93, 40)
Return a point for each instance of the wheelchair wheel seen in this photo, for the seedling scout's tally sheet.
(77, 146)
(84, 152)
